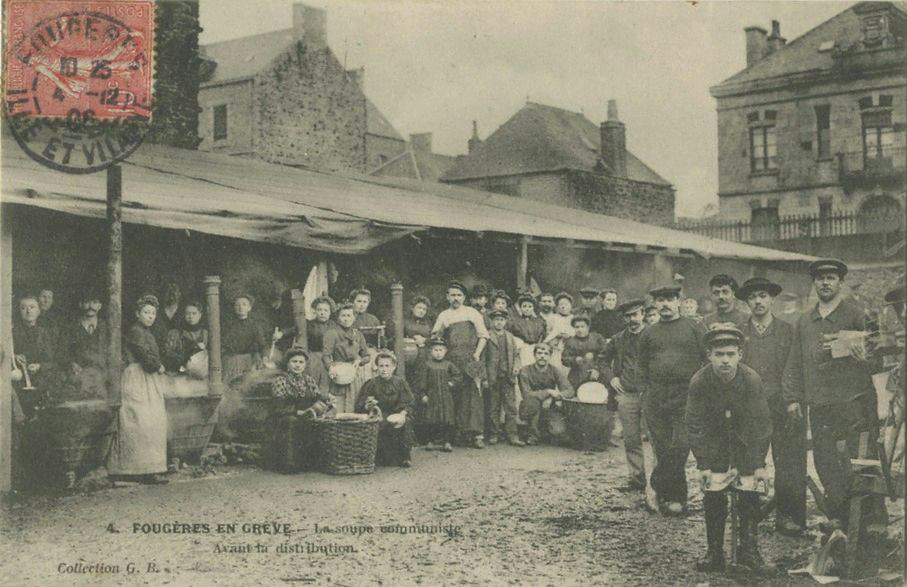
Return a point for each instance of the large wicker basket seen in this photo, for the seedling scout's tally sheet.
(348, 447)
(590, 425)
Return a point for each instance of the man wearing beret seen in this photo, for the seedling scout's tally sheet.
(670, 353)
(608, 321)
(838, 391)
(722, 288)
(768, 343)
(729, 425)
(620, 364)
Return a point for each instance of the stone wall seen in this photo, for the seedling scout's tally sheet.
(379, 150)
(309, 111)
(620, 197)
(237, 97)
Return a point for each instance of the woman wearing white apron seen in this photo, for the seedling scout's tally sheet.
(139, 450)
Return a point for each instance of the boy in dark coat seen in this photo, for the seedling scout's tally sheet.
(729, 427)
(502, 364)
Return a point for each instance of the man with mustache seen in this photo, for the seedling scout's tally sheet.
(721, 290)
(670, 353)
(838, 391)
(768, 342)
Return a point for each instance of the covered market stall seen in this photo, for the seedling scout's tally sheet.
(213, 222)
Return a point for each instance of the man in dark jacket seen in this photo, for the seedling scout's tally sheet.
(670, 353)
(620, 361)
(502, 365)
(768, 342)
(836, 387)
(729, 429)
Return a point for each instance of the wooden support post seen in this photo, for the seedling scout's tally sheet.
(6, 348)
(215, 360)
(302, 337)
(397, 309)
(522, 268)
(114, 283)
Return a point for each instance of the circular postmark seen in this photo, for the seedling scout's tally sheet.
(78, 82)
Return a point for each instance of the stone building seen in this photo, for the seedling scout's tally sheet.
(561, 157)
(284, 96)
(815, 128)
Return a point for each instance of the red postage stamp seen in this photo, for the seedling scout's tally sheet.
(91, 60)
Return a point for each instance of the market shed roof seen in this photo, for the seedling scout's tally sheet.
(253, 200)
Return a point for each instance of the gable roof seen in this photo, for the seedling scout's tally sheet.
(802, 54)
(543, 138)
(243, 58)
(377, 124)
(416, 164)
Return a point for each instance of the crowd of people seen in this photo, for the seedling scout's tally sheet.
(488, 368)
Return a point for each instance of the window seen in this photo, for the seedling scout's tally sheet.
(763, 148)
(823, 132)
(878, 137)
(220, 122)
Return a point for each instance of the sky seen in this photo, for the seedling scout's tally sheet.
(435, 66)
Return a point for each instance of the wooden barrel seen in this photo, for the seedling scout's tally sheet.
(589, 425)
(75, 436)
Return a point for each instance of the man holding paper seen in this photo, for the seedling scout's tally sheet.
(729, 427)
(838, 389)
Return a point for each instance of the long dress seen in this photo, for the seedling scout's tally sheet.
(344, 345)
(243, 341)
(437, 380)
(463, 328)
(293, 443)
(140, 446)
(393, 395)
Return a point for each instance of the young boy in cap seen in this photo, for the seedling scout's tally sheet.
(652, 316)
(581, 352)
(670, 353)
(768, 342)
(721, 289)
(502, 364)
(390, 393)
(838, 391)
(464, 330)
(499, 301)
(620, 362)
(541, 385)
(727, 417)
(608, 321)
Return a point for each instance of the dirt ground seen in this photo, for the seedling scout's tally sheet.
(507, 516)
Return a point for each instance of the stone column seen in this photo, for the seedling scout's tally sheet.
(215, 361)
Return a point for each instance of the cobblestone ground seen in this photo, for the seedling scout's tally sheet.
(539, 516)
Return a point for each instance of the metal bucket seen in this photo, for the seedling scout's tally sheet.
(190, 422)
(589, 425)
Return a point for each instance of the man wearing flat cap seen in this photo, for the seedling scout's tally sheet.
(621, 372)
(670, 353)
(588, 302)
(727, 417)
(768, 343)
(837, 390)
(721, 289)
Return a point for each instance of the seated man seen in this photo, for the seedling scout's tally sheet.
(85, 346)
(391, 394)
(541, 385)
(34, 348)
(294, 443)
(729, 427)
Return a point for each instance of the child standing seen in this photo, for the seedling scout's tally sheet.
(435, 380)
(464, 330)
(502, 365)
(393, 396)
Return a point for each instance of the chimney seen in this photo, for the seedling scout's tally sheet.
(421, 141)
(614, 142)
(310, 25)
(756, 44)
(475, 142)
(775, 40)
(358, 76)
